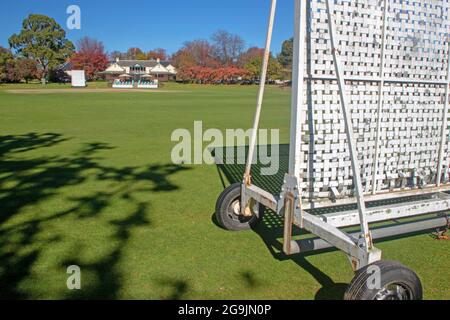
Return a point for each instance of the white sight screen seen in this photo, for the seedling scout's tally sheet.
(414, 76)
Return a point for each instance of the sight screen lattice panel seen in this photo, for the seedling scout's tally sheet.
(411, 83)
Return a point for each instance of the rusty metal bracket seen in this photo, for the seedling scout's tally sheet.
(441, 233)
(291, 188)
(291, 203)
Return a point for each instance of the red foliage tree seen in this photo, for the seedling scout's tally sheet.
(90, 57)
(19, 69)
(26, 69)
(208, 75)
(198, 61)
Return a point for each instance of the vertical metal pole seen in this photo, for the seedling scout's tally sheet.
(298, 85)
(349, 129)
(251, 151)
(444, 137)
(380, 102)
(289, 203)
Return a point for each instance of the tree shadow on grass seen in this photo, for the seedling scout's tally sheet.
(31, 180)
(250, 279)
(178, 288)
(270, 230)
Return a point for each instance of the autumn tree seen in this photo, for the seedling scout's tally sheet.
(25, 69)
(43, 40)
(90, 57)
(136, 54)
(156, 54)
(202, 52)
(203, 62)
(227, 47)
(87, 44)
(249, 55)
(16, 69)
(208, 75)
(196, 53)
(183, 59)
(228, 74)
(12, 73)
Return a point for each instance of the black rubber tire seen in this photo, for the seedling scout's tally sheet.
(225, 216)
(392, 273)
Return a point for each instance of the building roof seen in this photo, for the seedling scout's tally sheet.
(115, 68)
(66, 66)
(142, 63)
(154, 66)
(166, 63)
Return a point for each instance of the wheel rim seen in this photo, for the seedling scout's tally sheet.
(394, 291)
(234, 212)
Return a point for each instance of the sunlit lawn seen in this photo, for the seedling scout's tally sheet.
(87, 179)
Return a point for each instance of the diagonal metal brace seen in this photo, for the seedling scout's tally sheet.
(359, 256)
(349, 129)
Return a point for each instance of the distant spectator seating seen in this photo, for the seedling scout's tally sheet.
(123, 84)
(148, 84)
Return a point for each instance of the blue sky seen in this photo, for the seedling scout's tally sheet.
(149, 24)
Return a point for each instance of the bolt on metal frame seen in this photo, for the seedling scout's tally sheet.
(290, 204)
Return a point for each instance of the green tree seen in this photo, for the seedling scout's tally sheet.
(43, 40)
(6, 58)
(286, 54)
(274, 70)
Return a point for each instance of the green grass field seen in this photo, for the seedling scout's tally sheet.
(87, 179)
